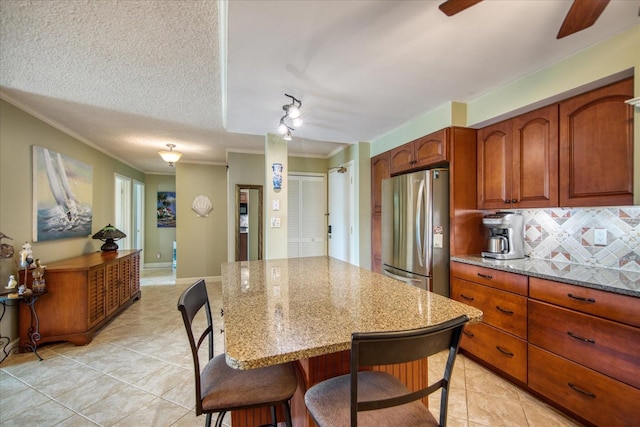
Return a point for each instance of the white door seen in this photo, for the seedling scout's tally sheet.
(137, 230)
(341, 211)
(123, 210)
(307, 223)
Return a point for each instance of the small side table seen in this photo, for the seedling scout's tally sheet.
(34, 329)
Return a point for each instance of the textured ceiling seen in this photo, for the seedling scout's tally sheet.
(130, 76)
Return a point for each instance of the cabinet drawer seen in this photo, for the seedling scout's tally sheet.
(621, 308)
(506, 352)
(590, 395)
(501, 309)
(602, 345)
(511, 282)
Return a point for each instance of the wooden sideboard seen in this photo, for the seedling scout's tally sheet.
(84, 293)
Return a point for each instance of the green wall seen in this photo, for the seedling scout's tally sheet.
(611, 59)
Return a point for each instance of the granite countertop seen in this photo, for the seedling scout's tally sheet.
(277, 311)
(606, 279)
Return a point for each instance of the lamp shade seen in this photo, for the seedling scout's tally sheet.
(170, 156)
(109, 235)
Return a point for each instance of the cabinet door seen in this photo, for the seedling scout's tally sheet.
(596, 147)
(379, 171)
(96, 296)
(112, 296)
(495, 166)
(535, 159)
(430, 149)
(125, 280)
(402, 159)
(135, 274)
(594, 397)
(497, 348)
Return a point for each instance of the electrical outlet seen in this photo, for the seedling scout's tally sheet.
(158, 255)
(600, 236)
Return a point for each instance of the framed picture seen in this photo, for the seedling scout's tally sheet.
(62, 196)
(166, 208)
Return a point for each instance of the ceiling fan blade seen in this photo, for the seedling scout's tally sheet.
(451, 7)
(583, 14)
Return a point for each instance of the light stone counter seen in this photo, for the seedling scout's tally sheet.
(283, 310)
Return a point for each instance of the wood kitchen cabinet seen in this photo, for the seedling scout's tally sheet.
(518, 161)
(596, 147)
(500, 340)
(84, 293)
(379, 171)
(420, 153)
(584, 351)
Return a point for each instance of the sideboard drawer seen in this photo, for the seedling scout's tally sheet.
(511, 282)
(589, 394)
(504, 310)
(499, 349)
(621, 308)
(604, 346)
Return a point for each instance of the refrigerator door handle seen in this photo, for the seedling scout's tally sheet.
(401, 278)
(420, 249)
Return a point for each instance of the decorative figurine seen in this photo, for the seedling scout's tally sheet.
(38, 277)
(26, 255)
(12, 282)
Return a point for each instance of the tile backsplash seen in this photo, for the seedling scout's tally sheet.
(568, 235)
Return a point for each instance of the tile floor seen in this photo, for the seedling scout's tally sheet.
(137, 372)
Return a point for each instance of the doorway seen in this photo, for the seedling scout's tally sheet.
(123, 209)
(248, 219)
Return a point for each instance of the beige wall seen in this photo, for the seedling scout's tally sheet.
(245, 169)
(18, 132)
(201, 247)
(157, 240)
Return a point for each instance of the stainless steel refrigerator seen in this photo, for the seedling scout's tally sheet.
(415, 229)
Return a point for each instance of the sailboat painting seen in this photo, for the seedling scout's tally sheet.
(62, 196)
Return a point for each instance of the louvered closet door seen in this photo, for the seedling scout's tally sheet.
(307, 205)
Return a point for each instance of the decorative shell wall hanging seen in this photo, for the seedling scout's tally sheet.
(201, 205)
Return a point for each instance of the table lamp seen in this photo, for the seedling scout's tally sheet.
(109, 235)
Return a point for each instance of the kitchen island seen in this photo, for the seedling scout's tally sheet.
(305, 309)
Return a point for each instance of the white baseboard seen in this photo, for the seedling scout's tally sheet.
(158, 264)
(189, 280)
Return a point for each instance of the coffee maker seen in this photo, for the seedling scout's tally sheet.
(506, 235)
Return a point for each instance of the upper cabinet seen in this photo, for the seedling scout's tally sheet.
(518, 162)
(596, 147)
(417, 154)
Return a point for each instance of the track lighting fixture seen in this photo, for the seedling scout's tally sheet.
(291, 111)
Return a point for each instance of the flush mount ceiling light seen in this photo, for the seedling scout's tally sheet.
(292, 112)
(170, 156)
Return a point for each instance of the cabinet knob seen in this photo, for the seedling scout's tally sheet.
(514, 201)
(507, 201)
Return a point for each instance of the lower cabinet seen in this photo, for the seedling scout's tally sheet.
(500, 340)
(578, 348)
(594, 397)
(84, 293)
(499, 349)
